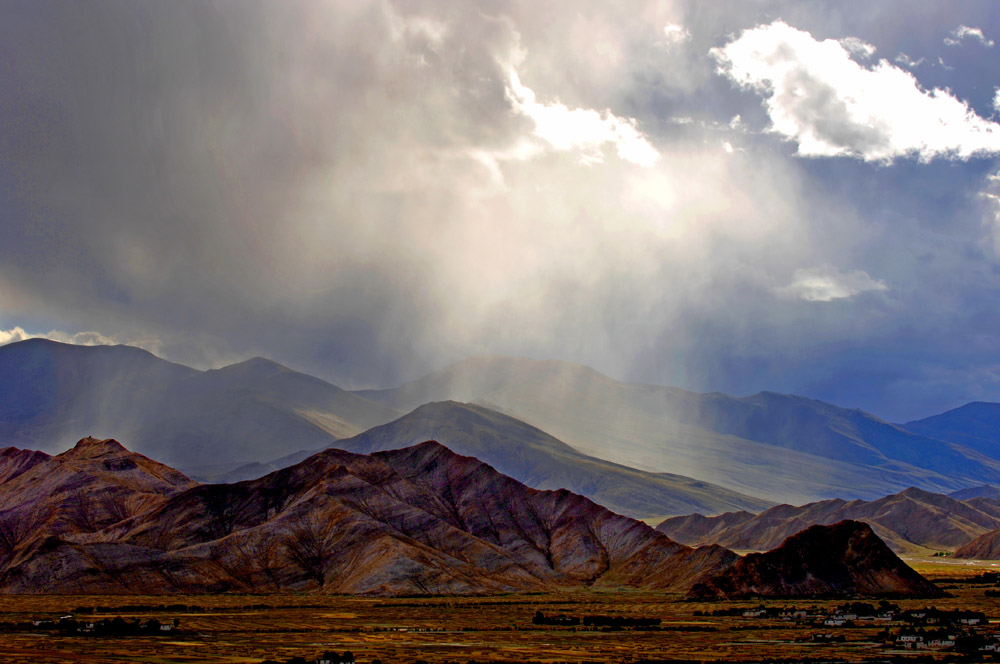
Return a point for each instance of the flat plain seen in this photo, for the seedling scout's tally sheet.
(252, 628)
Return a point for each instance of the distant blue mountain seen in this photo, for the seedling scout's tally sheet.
(781, 447)
(53, 394)
(975, 425)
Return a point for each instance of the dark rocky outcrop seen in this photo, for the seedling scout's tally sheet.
(845, 559)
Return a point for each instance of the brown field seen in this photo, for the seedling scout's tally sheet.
(251, 628)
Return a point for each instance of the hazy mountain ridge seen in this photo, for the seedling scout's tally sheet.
(53, 393)
(984, 491)
(975, 425)
(541, 461)
(780, 447)
(533, 457)
(913, 521)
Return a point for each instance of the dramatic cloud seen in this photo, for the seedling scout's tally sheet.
(963, 31)
(369, 189)
(826, 284)
(819, 97)
(582, 129)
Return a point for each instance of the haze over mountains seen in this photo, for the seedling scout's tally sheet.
(535, 458)
(779, 447)
(633, 447)
(260, 410)
(975, 425)
(541, 461)
(52, 394)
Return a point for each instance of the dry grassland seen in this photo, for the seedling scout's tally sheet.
(244, 628)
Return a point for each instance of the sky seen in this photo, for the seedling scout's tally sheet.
(799, 197)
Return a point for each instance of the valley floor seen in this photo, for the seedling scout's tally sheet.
(251, 628)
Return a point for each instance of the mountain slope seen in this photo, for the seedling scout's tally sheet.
(537, 459)
(984, 547)
(779, 447)
(53, 393)
(417, 520)
(14, 462)
(975, 425)
(911, 522)
(845, 559)
(93, 485)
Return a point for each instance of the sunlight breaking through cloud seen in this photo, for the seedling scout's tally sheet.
(582, 129)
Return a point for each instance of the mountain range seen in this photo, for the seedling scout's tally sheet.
(779, 447)
(52, 394)
(422, 519)
(418, 520)
(541, 461)
(913, 522)
(648, 451)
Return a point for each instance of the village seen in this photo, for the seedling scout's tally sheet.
(911, 629)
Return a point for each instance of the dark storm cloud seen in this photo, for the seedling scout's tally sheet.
(360, 190)
(207, 168)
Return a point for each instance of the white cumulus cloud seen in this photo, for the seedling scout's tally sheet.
(827, 283)
(830, 105)
(582, 129)
(963, 31)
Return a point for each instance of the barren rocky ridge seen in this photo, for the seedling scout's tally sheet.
(421, 519)
(910, 522)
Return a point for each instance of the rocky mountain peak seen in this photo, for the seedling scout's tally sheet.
(90, 447)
